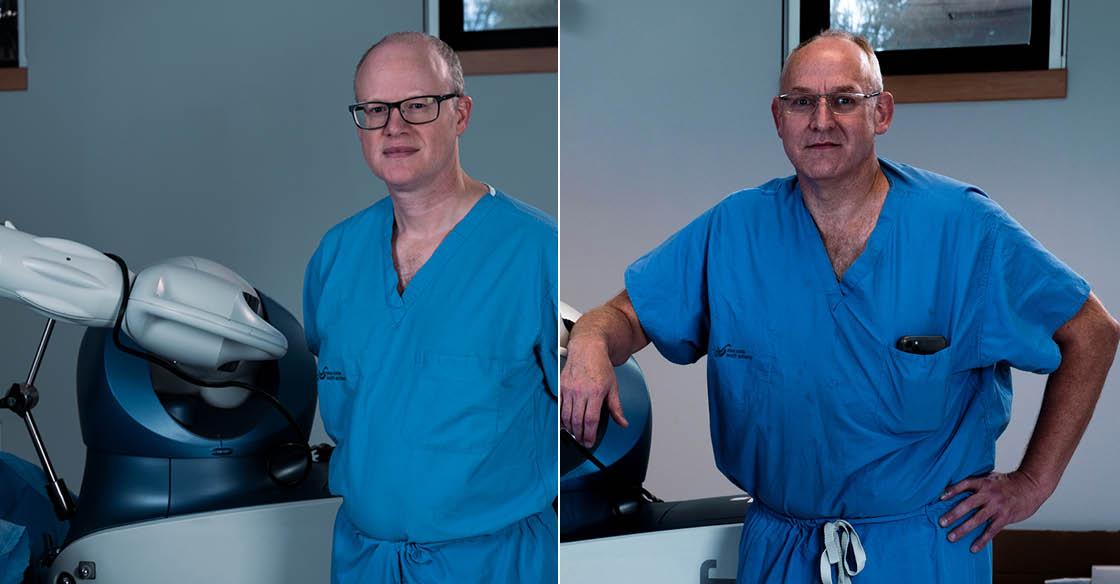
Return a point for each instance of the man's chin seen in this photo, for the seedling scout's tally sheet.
(825, 168)
(397, 178)
(820, 171)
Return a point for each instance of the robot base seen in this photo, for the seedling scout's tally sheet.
(292, 539)
(708, 555)
(677, 542)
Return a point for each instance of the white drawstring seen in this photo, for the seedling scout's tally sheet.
(840, 538)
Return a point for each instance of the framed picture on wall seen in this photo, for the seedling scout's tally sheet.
(497, 36)
(13, 55)
(932, 50)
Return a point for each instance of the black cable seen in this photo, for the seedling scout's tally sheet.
(586, 452)
(299, 444)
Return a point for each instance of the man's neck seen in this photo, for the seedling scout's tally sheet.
(840, 201)
(432, 210)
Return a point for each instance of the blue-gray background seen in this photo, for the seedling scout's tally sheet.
(665, 109)
(217, 129)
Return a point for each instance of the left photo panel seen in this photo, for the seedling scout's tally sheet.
(281, 301)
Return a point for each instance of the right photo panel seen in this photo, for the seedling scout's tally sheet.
(837, 292)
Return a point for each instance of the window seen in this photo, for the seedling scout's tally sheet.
(498, 36)
(13, 57)
(915, 38)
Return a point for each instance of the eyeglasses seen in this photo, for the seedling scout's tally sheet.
(374, 115)
(803, 104)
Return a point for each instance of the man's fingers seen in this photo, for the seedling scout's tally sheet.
(590, 422)
(587, 379)
(565, 410)
(614, 404)
(576, 428)
(954, 490)
(960, 510)
(993, 528)
(973, 522)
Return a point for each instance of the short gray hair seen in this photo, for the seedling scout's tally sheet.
(833, 33)
(437, 46)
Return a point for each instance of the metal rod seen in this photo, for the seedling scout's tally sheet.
(64, 505)
(39, 353)
(37, 442)
(56, 489)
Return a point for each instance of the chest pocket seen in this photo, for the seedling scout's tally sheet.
(458, 400)
(915, 390)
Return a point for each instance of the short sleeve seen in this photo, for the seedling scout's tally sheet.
(1029, 295)
(312, 289)
(668, 288)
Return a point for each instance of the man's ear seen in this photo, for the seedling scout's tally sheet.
(463, 106)
(884, 112)
(776, 111)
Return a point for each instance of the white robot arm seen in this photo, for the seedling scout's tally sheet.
(193, 312)
(188, 310)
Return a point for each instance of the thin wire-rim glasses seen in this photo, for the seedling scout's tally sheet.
(840, 103)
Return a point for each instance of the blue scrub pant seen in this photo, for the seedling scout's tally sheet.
(910, 547)
(524, 552)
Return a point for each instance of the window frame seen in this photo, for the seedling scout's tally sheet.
(1035, 70)
(517, 50)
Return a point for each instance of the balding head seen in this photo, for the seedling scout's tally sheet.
(444, 53)
(873, 75)
(826, 147)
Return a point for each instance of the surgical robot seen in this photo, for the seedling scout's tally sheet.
(196, 396)
(611, 528)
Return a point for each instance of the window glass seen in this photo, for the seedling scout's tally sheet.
(9, 33)
(506, 14)
(891, 25)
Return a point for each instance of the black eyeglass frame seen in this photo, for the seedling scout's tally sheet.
(785, 97)
(396, 105)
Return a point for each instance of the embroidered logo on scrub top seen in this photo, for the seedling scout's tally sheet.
(326, 374)
(729, 351)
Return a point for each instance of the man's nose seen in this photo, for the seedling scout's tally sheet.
(395, 124)
(822, 116)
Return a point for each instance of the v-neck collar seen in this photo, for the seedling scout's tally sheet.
(865, 261)
(399, 303)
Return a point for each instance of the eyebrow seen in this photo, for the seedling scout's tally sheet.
(840, 89)
(377, 100)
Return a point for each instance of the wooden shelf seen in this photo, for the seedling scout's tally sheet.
(506, 61)
(977, 86)
(12, 79)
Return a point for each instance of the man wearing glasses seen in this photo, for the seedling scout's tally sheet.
(859, 320)
(433, 314)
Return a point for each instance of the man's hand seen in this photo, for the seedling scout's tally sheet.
(999, 500)
(1088, 344)
(601, 339)
(588, 377)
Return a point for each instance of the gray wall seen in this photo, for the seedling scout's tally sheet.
(217, 129)
(644, 150)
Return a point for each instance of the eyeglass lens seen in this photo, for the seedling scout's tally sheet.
(420, 110)
(839, 103)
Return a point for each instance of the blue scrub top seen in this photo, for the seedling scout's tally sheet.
(438, 399)
(813, 410)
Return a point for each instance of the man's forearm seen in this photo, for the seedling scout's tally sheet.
(1088, 345)
(615, 325)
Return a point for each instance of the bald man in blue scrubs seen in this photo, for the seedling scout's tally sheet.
(434, 316)
(859, 319)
